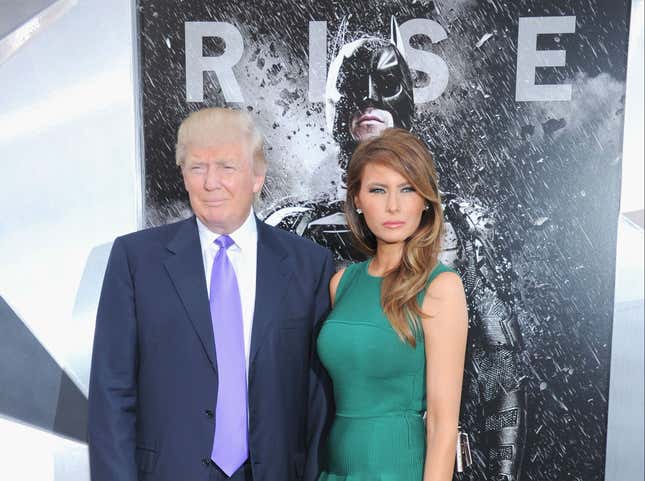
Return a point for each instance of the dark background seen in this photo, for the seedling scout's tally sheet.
(549, 171)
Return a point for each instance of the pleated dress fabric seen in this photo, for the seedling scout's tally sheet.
(378, 433)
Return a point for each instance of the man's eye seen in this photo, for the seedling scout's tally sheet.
(389, 85)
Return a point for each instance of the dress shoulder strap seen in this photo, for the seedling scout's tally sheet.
(438, 269)
(349, 275)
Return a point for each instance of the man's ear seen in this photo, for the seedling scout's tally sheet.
(183, 176)
(258, 182)
(395, 36)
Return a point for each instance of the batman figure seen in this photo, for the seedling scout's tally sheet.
(370, 88)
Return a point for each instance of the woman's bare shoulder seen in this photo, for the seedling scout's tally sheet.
(333, 284)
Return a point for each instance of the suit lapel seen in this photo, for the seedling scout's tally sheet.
(272, 276)
(186, 270)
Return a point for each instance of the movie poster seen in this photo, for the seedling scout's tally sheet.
(521, 103)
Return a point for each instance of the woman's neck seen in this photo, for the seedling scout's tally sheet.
(387, 257)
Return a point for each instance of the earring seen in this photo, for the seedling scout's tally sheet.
(426, 207)
(359, 211)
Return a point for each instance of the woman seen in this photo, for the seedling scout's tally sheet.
(395, 340)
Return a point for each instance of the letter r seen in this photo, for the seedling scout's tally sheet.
(197, 64)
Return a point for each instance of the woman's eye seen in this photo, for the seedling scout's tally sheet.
(408, 188)
(376, 190)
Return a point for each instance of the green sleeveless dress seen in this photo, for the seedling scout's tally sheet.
(379, 385)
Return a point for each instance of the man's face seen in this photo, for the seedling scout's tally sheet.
(221, 184)
(372, 91)
(369, 123)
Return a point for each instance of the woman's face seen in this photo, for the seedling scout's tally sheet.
(391, 206)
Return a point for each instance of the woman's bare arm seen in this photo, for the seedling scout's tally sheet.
(445, 329)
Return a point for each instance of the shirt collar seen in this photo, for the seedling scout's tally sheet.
(245, 236)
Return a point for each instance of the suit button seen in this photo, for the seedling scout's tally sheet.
(206, 461)
(209, 413)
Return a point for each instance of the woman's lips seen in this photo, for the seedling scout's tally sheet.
(393, 224)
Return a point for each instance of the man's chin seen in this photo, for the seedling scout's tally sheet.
(364, 133)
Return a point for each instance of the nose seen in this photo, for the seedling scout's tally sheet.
(372, 91)
(212, 179)
(369, 93)
(392, 202)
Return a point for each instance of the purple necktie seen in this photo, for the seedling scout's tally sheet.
(230, 445)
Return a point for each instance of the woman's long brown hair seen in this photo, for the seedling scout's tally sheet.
(405, 153)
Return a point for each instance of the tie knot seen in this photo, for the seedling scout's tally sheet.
(224, 242)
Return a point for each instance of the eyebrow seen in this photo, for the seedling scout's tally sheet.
(197, 160)
(378, 184)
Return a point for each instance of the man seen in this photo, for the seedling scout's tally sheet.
(370, 88)
(203, 365)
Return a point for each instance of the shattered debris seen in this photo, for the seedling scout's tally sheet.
(483, 40)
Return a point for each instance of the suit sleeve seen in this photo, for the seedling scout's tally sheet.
(113, 378)
(320, 395)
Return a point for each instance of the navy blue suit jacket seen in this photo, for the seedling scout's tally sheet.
(153, 385)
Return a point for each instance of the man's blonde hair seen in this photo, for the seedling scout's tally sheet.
(211, 126)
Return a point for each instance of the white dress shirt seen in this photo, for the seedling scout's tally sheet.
(243, 256)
